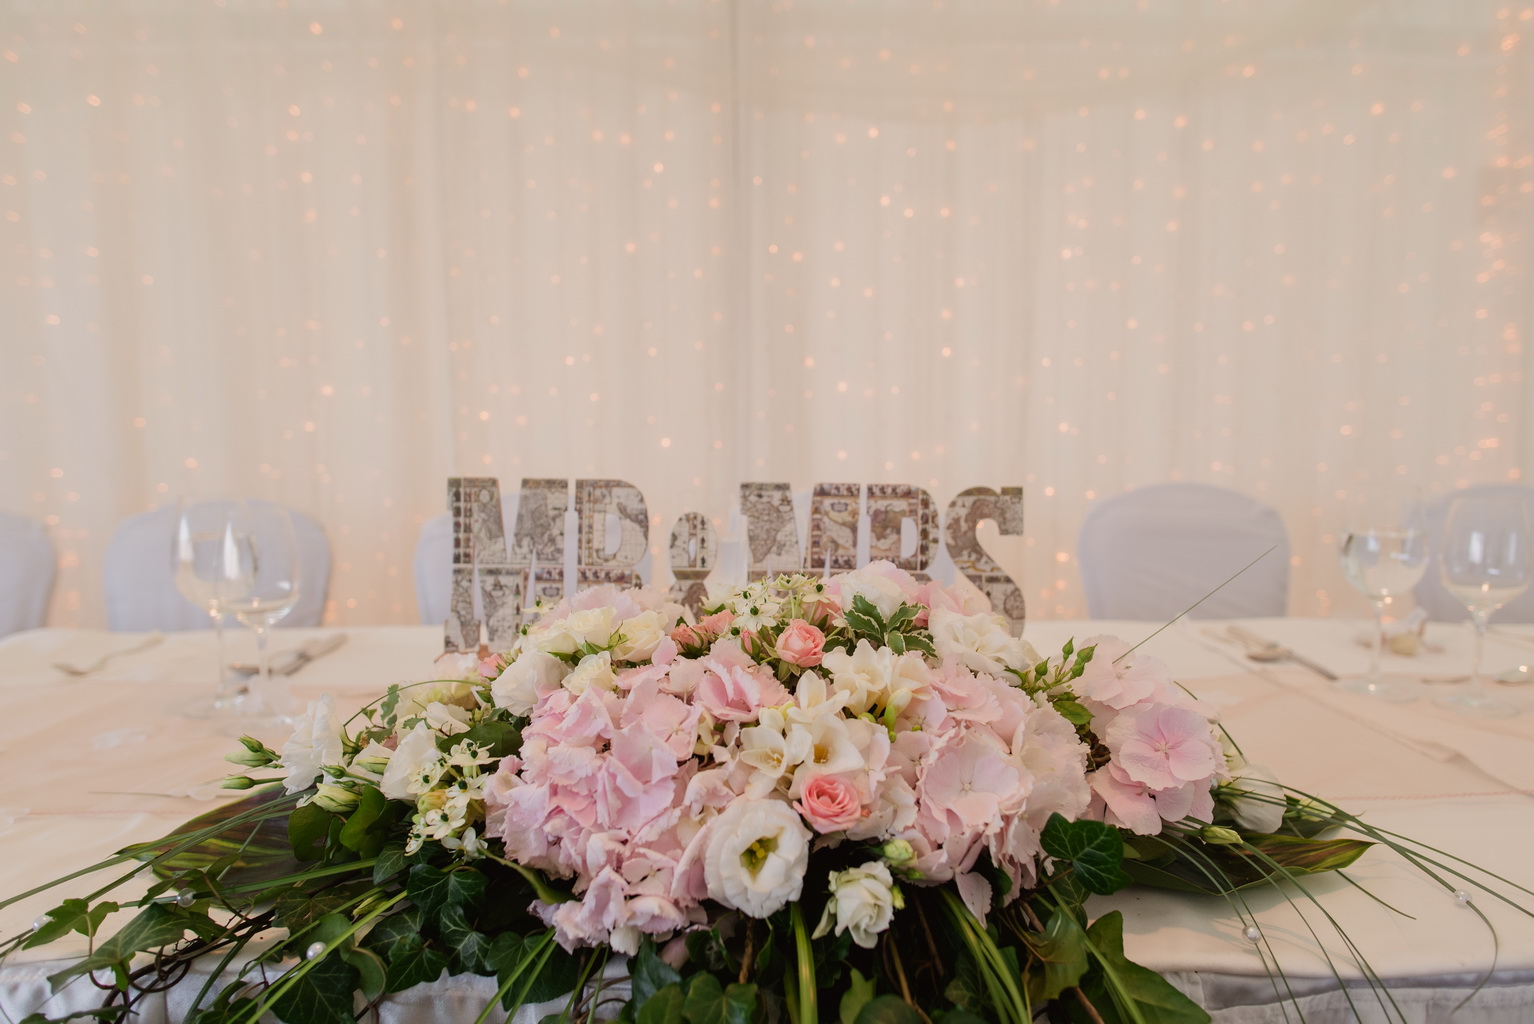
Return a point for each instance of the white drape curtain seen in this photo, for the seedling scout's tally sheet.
(333, 251)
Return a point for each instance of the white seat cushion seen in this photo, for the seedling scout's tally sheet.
(26, 573)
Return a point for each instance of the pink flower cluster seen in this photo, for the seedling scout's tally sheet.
(666, 786)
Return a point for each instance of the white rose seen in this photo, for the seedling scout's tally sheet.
(593, 670)
(315, 743)
(864, 675)
(756, 856)
(641, 635)
(591, 626)
(518, 688)
(880, 591)
(981, 643)
(1260, 807)
(863, 901)
(417, 751)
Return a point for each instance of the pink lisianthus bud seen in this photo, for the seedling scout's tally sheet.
(802, 644)
(829, 804)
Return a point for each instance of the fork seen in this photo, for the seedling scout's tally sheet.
(65, 667)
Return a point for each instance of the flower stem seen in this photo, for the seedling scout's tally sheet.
(807, 1001)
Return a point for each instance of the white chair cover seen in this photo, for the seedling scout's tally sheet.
(26, 573)
(1149, 554)
(1442, 606)
(140, 581)
(433, 566)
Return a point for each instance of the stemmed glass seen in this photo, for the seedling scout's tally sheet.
(1486, 562)
(271, 595)
(1384, 562)
(213, 566)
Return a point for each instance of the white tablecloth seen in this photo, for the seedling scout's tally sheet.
(93, 764)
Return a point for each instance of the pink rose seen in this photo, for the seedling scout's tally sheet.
(685, 636)
(802, 644)
(717, 623)
(829, 804)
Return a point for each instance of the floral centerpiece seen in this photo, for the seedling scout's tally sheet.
(856, 798)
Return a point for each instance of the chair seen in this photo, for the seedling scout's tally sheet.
(1432, 597)
(433, 567)
(140, 583)
(26, 573)
(1150, 553)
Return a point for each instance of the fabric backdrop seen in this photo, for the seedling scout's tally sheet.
(333, 251)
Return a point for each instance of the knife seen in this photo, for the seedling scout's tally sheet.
(311, 651)
(1246, 636)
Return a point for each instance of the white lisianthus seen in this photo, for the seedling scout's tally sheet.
(981, 643)
(335, 799)
(1257, 800)
(315, 743)
(518, 688)
(414, 700)
(448, 719)
(371, 760)
(593, 670)
(863, 902)
(415, 767)
(863, 676)
(756, 856)
(641, 635)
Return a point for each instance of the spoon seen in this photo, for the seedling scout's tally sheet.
(1516, 676)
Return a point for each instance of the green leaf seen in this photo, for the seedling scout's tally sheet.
(308, 827)
(431, 888)
(390, 702)
(1072, 711)
(887, 1010)
(154, 926)
(391, 861)
(664, 1007)
(498, 738)
(259, 848)
(1235, 868)
(371, 803)
(386, 935)
(649, 972)
(710, 1003)
(1062, 952)
(412, 962)
(1094, 849)
(1123, 981)
(297, 910)
(372, 974)
(322, 995)
(471, 947)
(859, 991)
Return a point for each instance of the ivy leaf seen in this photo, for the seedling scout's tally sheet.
(708, 1002)
(1094, 849)
(389, 934)
(664, 1007)
(297, 910)
(471, 947)
(431, 888)
(354, 834)
(322, 995)
(71, 915)
(649, 972)
(859, 991)
(154, 926)
(412, 963)
(308, 826)
(391, 861)
(372, 975)
(1062, 950)
(390, 702)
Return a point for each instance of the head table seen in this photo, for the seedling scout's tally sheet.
(93, 764)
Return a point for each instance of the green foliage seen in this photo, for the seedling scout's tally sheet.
(70, 916)
(155, 926)
(1186, 864)
(887, 1010)
(649, 972)
(308, 829)
(324, 994)
(859, 991)
(899, 632)
(1094, 851)
(1123, 991)
(1061, 952)
(245, 842)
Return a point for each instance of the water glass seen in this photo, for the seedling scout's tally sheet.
(211, 560)
(1384, 561)
(271, 595)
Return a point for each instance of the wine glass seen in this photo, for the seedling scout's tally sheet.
(212, 564)
(1486, 562)
(271, 595)
(1383, 561)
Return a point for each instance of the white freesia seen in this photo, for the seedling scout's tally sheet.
(593, 670)
(981, 643)
(862, 676)
(416, 766)
(756, 856)
(518, 688)
(1257, 800)
(315, 743)
(641, 635)
(863, 902)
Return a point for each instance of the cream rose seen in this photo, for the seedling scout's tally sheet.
(641, 635)
(593, 670)
(525, 680)
(756, 856)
